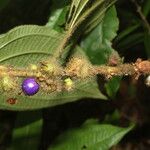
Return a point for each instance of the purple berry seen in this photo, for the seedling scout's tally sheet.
(30, 86)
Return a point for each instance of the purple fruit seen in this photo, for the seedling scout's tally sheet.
(30, 86)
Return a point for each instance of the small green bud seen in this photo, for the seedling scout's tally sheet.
(48, 67)
(8, 83)
(33, 67)
(68, 84)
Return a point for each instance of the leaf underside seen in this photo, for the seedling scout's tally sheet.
(90, 136)
(31, 44)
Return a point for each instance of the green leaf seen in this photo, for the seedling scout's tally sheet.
(97, 16)
(57, 19)
(58, 14)
(90, 136)
(113, 117)
(27, 45)
(146, 8)
(131, 40)
(97, 44)
(112, 87)
(84, 89)
(128, 31)
(27, 136)
(72, 27)
(93, 12)
(76, 8)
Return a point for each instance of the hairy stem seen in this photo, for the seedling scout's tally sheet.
(133, 69)
(137, 68)
(15, 72)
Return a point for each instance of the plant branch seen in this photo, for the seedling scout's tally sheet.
(143, 18)
(134, 69)
(137, 68)
(15, 72)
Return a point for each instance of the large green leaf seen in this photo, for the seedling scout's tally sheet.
(84, 89)
(90, 136)
(18, 46)
(27, 45)
(97, 44)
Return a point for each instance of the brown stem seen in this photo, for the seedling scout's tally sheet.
(125, 69)
(15, 72)
(137, 68)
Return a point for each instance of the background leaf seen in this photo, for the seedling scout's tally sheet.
(98, 46)
(128, 31)
(113, 86)
(27, 135)
(57, 19)
(131, 40)
(90, 136)
(146, 8)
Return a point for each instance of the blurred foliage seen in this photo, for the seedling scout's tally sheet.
(102, 137)
(3, 3)
(134, 31)
(23, 130)
(27, 131)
